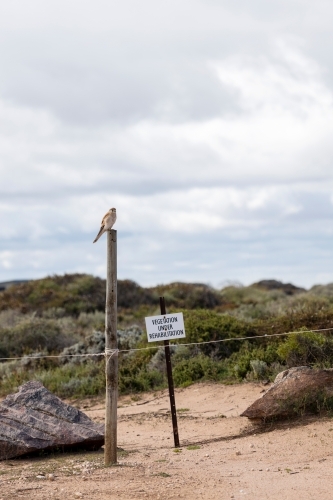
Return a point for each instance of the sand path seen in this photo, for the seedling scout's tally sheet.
(222, 455)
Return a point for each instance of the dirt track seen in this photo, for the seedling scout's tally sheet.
(223, 456)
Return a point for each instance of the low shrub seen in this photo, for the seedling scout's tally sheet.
(253, 361)
(307, 348)
(188, 295)
(200, 367)
(204, 326)
(260, 368)
(31, 335)
(70, 380)
(67, 312)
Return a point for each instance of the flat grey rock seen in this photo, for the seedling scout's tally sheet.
(34, 419)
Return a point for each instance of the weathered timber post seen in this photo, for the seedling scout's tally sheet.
(111, 358)
(170, 382)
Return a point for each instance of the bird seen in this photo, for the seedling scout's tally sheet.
(107, 222)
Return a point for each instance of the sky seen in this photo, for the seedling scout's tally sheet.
(207, 124)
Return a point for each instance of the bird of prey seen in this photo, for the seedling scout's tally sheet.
(107, 222)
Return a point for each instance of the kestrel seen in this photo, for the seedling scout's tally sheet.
(107, 222)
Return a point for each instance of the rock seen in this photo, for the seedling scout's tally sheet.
(34, 419)
(293, 392)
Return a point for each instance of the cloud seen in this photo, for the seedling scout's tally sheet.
(280, 132)
(209, 130)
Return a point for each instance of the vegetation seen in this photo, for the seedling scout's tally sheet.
(65, 315)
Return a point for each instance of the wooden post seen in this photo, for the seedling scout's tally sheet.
(111, 360)
(170, 382)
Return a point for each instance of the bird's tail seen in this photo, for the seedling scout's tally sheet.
(101, 231)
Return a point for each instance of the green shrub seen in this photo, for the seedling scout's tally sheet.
(131, 295)
(307, 348)
(66, 381)
(260, 368)
(78, 380)
(197, 368)
(45, 316)
(238, 295)
(31, 335)
(188, 295)
(134, 376)
(73, 293)
(203, 326)
(253, 360)
(142, 380)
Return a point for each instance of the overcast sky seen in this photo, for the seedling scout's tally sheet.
(207, 124)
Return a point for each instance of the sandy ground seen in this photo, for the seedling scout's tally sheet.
(222, 455)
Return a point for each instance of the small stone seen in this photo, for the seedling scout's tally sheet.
(78, 494)
(238, 453)
(268, 469)
(252, 445)
(40, 476)
(51, 477)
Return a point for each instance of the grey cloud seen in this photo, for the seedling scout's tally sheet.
(123, 102)
(141, 66)
(121, 93)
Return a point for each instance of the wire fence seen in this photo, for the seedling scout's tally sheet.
(111, 352)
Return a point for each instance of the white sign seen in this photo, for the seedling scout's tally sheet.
(165, 327)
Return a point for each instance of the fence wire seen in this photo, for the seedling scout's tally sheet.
(107, 352)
